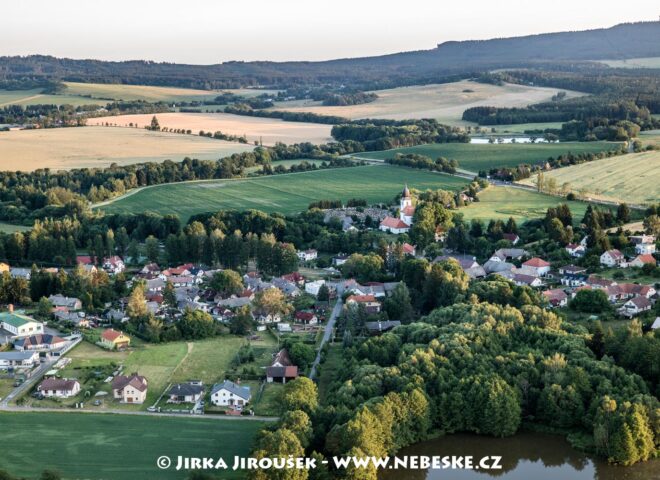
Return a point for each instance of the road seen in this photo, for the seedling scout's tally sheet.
(28, 384)
(17, 409)
(326, 336)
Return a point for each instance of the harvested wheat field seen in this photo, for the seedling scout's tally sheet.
(150, 93)
(445, 102)
(633, 178)
(67, 148)
(267, 130)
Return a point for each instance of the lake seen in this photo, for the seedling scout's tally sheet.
(525, 456)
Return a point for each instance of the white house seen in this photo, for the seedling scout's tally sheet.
(536, 267)
(635, 306)
(313, 287)
(522, 279)
(612, 258)
(59, 387)
(113, 264)
(576, 250)
(307, 255)
(230, 394)
(15, 359)
(644, 244)
(20, 325)
(130, 389)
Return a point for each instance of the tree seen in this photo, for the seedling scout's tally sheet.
(281, 443)
(241, 323)
(152, 248)
(196, 324)
(44, 308)
(137, 303)
(364, 268)
(590, 301)
(399, 305)
(271, 302)
(169, 295)
(300, 394)
(323, 294)
(155, 126)
(299, 423)
(623, 213)
(227, 282)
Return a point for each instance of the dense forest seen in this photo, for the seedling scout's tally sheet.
(449, 59)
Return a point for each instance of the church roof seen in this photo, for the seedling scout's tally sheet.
(406, 192)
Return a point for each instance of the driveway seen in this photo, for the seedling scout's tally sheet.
(326, 336)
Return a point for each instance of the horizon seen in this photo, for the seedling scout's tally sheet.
(285, 33)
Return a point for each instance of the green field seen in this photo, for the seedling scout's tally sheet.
(521, 127)
(117, 447)
(35, 97)
(633, 178)
(289, 193)
(504, 202)
(475, 157)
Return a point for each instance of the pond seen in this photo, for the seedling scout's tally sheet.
(525, 456)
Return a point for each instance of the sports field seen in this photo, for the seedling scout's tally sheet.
(80, 147)
(150, 93)
(474, 157)
(267, 130)
(288, 193)
(633, 178)
(117, 447)
(445, 102)
(504, 202)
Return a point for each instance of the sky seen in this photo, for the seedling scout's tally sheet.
(213, 31)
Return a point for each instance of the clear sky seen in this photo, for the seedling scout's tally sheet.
(212, 31)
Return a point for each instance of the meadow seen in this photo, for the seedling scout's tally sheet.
(633, 178)
(266, 130)
(500, 203)
(287, 193)
(474, 157)
(35, 97)
(117, 447)
(90, 147)
(444, 102)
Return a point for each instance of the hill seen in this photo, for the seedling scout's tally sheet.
(631, 40)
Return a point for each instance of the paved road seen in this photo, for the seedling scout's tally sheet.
(5, 408)
(28, 384)
(326, 336)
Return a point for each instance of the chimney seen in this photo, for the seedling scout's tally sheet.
(11, 308)
(238, 381)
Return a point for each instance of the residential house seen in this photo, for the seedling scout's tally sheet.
(656, 324)
(61, 302)
(339, 260)
(498, 266)
(576, 250)
(290, 289)
(4, 267)
(522, 279)
(308, 255)
(20, 325)
(556, 297)
(25, 359)
(599, 282)
(230, 394)
(306, 318)
(113, 264)
(313, 287)
(284, 327)
(536, 267)
(644, 244)
(612, 258)
(635, 306)
(24, 273)
(130, 389)
(409, 249)
(150, 269)
(643, 259)
(59, 387)
(511, 237)
(468, 263)
(380, 327)
(234, 302)
(505, 254)
(573, 276)
(371, 305)
(76, 318)
(115, 340)
(281, 369)
(189, 392)
(40, 342)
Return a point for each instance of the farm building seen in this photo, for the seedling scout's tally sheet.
(20, 325)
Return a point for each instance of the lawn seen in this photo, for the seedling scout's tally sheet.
(504, 202)
(90, 147)
(329, 371)
(521, 127)
(288, 194)
(633, 178)
(475, 157)
(445, 102)
(117, 447)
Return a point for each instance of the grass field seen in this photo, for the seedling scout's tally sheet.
(646, 62)
(633, 178)
(445, 102)
(289, 193)
(117, 447)
(521, 127)
(267, 130)
(504, 202)
(66, 148)
(474, 157)
(35, 97)
(10, 228)
(650, 137)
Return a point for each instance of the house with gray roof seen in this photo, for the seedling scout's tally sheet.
(189, 392)
(230, 394)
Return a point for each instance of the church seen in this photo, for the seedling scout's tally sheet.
(406, 213)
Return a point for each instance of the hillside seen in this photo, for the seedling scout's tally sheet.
(633, 40)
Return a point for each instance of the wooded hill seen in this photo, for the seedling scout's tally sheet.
(447, 61)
